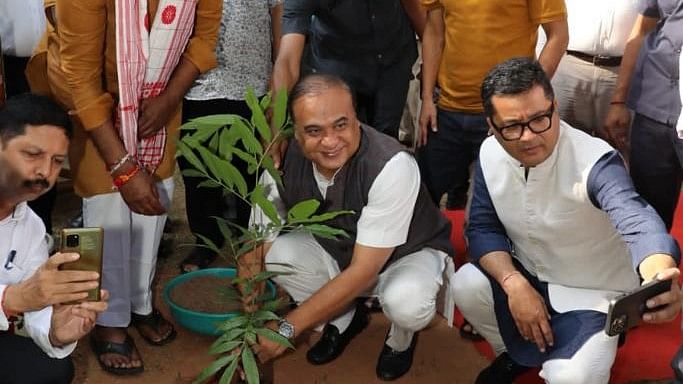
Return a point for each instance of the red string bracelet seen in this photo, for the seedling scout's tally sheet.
(121, 180)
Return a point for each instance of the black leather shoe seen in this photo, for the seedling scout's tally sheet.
(393, 364)
(332, 343)
(503, 370)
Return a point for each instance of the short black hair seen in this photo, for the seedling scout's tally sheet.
(513, 77)
(31, 109)
(314, 84)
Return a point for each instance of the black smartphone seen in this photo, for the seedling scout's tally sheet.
(88, 243)
(626, 311)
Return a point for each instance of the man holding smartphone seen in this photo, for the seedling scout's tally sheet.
(36, 329)
(556, 230)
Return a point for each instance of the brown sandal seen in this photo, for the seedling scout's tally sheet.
(154, 320)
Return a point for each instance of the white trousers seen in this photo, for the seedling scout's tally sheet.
(407, 288)
(131, 242)
(591, 364)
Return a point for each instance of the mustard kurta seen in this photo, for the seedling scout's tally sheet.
(81, 70)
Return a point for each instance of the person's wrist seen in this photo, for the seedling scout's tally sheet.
(512, 282)
(126, 160)
(54, 340)
(126, 175)
(286, 329)
(124, 168)
(171, 98)
(10, 301)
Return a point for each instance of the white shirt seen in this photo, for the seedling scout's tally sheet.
(22, 24)
(385, 220)
(23, 234)
(600, 27)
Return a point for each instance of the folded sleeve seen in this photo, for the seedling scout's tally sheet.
(648, 8)
(431, 4)
(546, 11)
(81, 31)
(296, 16)
(385, 221)
(37, 325)
(201, 49)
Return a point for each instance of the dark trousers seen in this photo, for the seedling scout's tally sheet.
(445, 160)
(655, 162)
(202, 204)
(15, 84)
(380, 104)
(383, 108)
(15, 80)
(23, 362)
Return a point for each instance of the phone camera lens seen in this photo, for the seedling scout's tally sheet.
(72, 241)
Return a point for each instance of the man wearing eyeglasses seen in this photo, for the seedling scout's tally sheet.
(556, 229)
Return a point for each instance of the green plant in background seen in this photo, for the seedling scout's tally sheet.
(211, 149)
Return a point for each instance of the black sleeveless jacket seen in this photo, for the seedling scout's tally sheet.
(428, 227)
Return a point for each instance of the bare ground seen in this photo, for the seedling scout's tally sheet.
(441, 355)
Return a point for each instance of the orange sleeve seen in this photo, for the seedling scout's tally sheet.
(201, 49)
(545, 11)
(431, 4)
(81, 29)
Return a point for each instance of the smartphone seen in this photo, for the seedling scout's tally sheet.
(626, 311)
(88, 243)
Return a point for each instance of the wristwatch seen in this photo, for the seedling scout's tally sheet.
(285, 329)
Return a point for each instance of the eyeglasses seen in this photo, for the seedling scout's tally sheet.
(538, 124)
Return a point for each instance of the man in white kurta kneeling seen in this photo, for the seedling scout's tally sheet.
(556, 229)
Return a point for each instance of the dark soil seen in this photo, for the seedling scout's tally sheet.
(206, 294)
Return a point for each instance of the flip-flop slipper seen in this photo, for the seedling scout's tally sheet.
(100, 347)
(471, 333)
(153, 320)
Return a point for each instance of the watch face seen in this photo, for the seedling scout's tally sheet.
(286, 329)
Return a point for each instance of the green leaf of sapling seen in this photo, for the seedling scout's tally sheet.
(249, 365)
(303, 210)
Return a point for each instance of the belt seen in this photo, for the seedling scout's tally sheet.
(602, 61)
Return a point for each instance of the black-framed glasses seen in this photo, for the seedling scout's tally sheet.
(538, 124)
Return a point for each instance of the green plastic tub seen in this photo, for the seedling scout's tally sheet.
(201, 322)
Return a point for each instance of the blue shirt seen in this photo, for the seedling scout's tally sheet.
(609, 188)
(654, 88)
